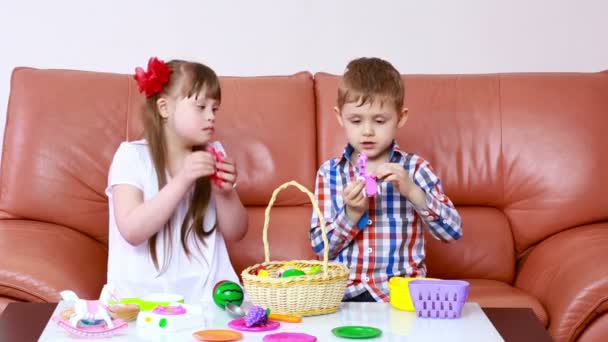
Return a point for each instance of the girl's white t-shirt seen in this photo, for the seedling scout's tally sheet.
(130, 268)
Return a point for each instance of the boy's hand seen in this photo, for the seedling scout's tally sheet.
(401, 180)
(226, 172)
(395, 173)
(355, 200)
(197, 164)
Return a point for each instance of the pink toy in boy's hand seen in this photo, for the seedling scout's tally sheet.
(371, 184)
(217, 151)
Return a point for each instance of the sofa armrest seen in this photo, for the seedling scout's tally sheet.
(38, 260)
(568, 273)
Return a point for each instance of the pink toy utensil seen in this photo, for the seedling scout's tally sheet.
(371, 184)
(217, 150)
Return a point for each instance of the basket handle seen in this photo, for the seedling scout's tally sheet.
(315, 207)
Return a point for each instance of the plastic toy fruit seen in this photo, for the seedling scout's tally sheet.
(227, 291)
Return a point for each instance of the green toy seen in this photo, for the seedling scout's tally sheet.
(151, 301)
(356, 332)
(227, 291)
(292, 273)
(314, 270)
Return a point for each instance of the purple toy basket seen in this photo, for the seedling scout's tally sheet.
(439, 298)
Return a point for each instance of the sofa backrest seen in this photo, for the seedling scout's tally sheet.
(268, 124)
(522, 156)
(554, 152)
(62, 130)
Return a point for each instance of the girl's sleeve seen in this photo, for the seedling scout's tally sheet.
(125, 168)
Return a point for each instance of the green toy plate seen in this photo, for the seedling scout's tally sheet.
(356, 332)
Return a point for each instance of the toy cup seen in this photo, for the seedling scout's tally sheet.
(400, 293)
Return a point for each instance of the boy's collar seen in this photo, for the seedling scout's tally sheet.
(349, 149)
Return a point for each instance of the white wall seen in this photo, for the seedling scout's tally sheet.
(260, 37)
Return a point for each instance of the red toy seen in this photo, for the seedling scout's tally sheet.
(217, 151)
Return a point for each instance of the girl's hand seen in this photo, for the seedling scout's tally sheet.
(226, 172)
(197, 164)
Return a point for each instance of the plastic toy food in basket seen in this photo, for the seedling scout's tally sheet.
(439, 298)
(305, 295)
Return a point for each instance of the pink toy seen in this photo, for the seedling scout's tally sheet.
(217, 150)
(91, 318)
(371, 184)
(169, 310)
(289, 337)
(92, 331)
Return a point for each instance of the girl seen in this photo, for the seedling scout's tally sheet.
(168, 221)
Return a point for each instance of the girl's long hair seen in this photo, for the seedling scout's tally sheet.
(186, 79)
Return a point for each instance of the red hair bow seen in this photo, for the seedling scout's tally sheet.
(154, 79)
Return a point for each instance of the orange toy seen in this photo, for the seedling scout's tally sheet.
(217, 335)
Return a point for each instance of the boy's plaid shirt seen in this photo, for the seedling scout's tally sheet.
(388, 240)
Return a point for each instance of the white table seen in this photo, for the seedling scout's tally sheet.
(396, 325)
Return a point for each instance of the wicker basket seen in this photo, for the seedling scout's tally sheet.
(305, 295)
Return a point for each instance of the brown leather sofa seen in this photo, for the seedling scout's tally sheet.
(524, 156)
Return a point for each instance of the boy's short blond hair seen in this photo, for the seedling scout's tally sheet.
(367, 80)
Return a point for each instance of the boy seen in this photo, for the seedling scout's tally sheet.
(378, 237)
